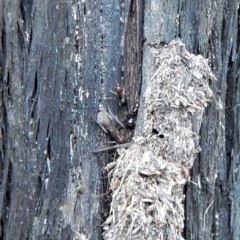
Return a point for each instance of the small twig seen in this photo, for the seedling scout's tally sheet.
(113, 147)
(185, 172)
(195, 106)
(235, 106)
(192, 182)
(80, 235)
(113, 92)
(206, 213)
(103, 194)
(98, 218)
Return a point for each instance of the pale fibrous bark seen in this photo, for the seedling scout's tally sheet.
(148, 179)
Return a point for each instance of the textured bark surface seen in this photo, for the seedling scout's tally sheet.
(58, 60)
(209, 28)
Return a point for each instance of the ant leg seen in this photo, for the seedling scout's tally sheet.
(113, 92)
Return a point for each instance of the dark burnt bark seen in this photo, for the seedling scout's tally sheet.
(58, 60)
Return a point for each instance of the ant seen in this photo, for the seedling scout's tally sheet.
(131, 117)
(109, 122)
(120, 92)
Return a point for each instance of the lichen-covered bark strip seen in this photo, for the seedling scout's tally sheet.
(211, 29)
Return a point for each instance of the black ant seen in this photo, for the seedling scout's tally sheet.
(131, 117)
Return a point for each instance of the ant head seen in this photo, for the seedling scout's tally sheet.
(130, 121)
(119, 90)
(121, 140)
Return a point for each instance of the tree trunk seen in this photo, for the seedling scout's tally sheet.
(209, 28)
(58, 61)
